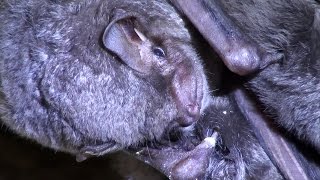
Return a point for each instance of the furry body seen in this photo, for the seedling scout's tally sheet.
(61, 87)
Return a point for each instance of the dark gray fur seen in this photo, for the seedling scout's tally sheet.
(245, 158)
(62, 88)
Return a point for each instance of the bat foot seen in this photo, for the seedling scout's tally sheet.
(179, 163)
(194, 164)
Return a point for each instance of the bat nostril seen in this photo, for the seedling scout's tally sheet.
(191, 115)
(193, 110)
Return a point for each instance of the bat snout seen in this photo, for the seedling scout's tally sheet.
(193, 110)
(190, 114)
(188, 90)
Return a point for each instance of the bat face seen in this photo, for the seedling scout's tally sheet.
(165, 60)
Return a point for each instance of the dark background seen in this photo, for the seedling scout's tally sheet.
(23, 159)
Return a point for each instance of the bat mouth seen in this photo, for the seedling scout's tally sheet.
(189, 119)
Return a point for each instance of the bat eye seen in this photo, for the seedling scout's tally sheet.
(158, 52)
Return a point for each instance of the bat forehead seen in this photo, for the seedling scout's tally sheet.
(160, 19)
(168, 29)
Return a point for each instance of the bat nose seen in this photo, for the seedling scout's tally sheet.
(191, 115)
(193, 110)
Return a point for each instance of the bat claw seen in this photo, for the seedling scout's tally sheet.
(96, 150)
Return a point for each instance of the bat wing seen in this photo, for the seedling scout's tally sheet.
(239, 52)
(284, 153)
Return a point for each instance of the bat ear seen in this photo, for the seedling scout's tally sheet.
(123, 38)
